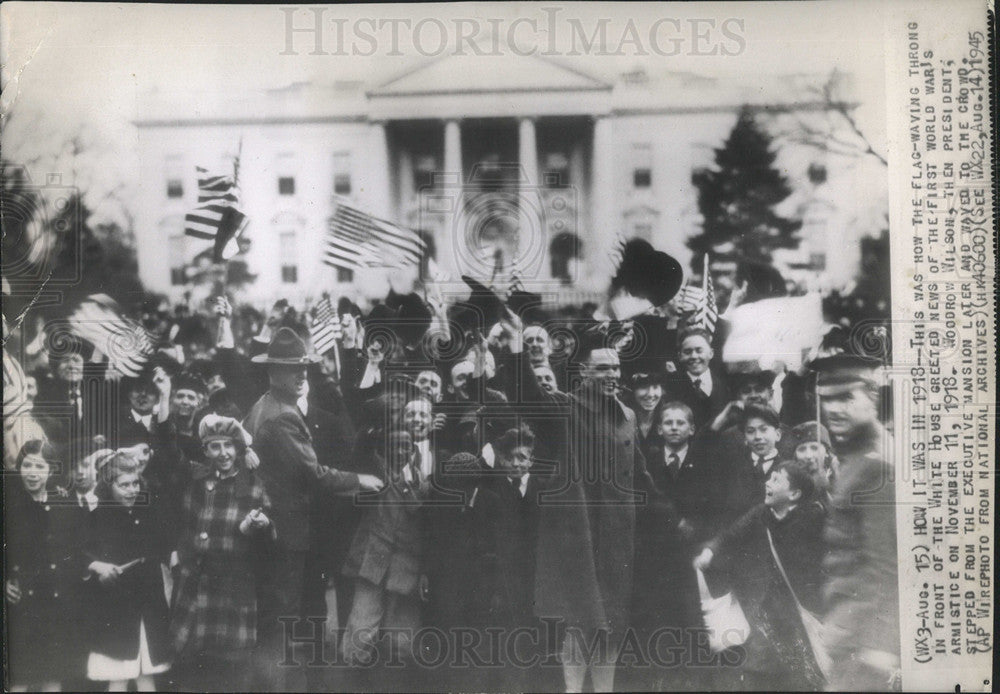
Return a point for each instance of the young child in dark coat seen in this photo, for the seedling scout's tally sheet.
(791, 521)
(130, 640)
(44, 571)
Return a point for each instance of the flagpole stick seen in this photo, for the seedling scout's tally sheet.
(336, 358)
(236, 162)
(816, 391)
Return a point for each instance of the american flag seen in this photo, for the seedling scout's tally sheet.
(217, 217)
(126, 344)
(515, 284)
(699, 302)
(324, 328)
(356, 240)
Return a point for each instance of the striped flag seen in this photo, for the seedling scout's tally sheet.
(515, 284)
(325, 328)
(126, 343)
(699, 302)
(217, 217)
(358, 240)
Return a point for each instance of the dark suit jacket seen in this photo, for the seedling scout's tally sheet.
(289, 468)
(73, 434)
(666, 589)
(334, 518)
(516, 549)
(462, 529)
(743, 486)
(705, 407)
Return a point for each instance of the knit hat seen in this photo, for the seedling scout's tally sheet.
(811, 431)
(214, 427)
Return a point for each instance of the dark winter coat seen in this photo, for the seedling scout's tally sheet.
(779, 642)
(46, 627)
(118, 535)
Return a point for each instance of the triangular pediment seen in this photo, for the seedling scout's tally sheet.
(472, 74)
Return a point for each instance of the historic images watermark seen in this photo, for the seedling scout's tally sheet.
(307, 644)
(547, 32)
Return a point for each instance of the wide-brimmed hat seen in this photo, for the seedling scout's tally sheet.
(286, 348)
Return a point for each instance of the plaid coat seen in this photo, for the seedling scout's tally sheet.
(214, 600)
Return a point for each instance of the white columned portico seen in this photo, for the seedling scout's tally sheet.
(532, 242)
(604, 228)
(377, 188)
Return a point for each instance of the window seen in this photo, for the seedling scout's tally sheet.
(176, 251)
(556, 167)
(342, 173)
(173, 174)
(564, 247)
(287, 251)
(286, 185)
(642, 165)
(345, 275)
(424, 167)
(816, 173)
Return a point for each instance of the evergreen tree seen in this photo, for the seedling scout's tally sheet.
(738, 196)
(55, 247)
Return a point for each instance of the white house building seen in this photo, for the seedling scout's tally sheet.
(517, 153)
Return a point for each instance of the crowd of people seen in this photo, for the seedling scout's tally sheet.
(518, 503)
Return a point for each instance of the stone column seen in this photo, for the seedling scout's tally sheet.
(604, 227)
(378, 189)
(532, 243)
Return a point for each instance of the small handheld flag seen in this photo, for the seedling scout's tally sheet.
(218, 217)
(358, 240)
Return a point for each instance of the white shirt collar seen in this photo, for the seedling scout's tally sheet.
(522, 485)
(681, 454)
(426, 457)
(145, 419)
(765, 462)
(706, 381)
(303, 404)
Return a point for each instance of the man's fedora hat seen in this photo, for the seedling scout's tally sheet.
(286, 348)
